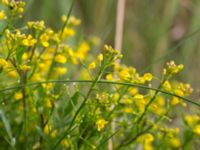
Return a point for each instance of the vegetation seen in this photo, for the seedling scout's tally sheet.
(57, 92)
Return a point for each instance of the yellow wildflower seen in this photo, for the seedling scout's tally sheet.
(44, 39)
(82, 51)
(12, 73)
(65, 143)
(29, 41)
(2, 15)
(192, 119)
(133, 90)
(148, 76)
(47, 129)
(128, 110)
(24, 67)
(72, 20)
(100, 124)
(68, 32)
(92, 65)
(196, 129)
(138, 96)
(60, 59)
(100, 57)
(18, 95)
(24, 56)
(47, 86)
(174, 101)
(60, 70)
(167, 86)
(3, 63)
(110, 77)
(124, 74)
(5, 2)
(173, 68)
(36, 25)
(53, 133)
(175, 142)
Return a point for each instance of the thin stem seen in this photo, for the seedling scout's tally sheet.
(149, 103)
(60, 37)
(98, 77)
(128, 140)
(105, 82)
(23, 83)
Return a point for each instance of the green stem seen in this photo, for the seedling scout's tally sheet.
(23, 82)
(128, 141)
(60, 37)
(105, 82)
(149, 103)
(99, 75)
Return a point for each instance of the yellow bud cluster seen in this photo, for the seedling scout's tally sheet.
(173, 68)
(72, 20)
(38, 25)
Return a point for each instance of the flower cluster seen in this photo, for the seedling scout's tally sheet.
(57, 95)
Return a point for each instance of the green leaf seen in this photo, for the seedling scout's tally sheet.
(19, 53)
(72, 102)
(7, 127)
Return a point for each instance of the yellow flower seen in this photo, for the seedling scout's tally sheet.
(18, 95)
(13, 73)
(65, 143)
(29, 41)
(60, 59)
(67, 32)
(167, 86)
(128, 110)
(196, 129)
(133, 90)
(149, 138)
(3, 63)
(174, 101)
(124, 74)
(72, 20)
(24, 67)
(44, 39)
(48, 103)
(82, 51)
(36, 25)
(148, 76)
(47, 129)
(53, 134)
(175, 142)
(138, 96)
(126, 101)
(173, 68)
(2, 15)
(100, 124)
(191, 120)
(25, 56)
(110, 77)
(60, 70)
(5, 2)
(100, 57)
(47, 86)
(92, 65)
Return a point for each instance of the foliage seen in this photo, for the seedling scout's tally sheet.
(55, 95)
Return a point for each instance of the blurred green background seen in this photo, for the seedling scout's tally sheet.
(155, 31)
